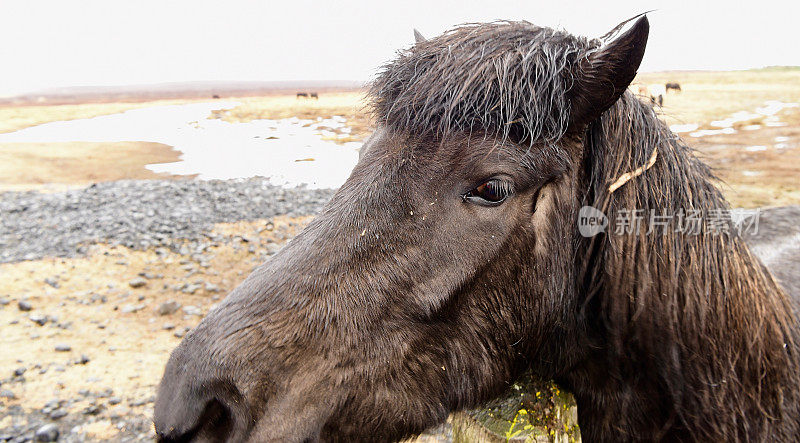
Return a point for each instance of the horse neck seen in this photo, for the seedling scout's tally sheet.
(691, 334)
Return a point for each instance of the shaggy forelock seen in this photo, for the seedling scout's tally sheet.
(504, 79)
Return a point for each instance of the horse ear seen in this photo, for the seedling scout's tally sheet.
(418, 37)
(604, 75)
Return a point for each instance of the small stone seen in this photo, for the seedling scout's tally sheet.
(19, 372)
(193, 310)
(210, 287)
(114, 400)
(62, 347)
(46, 433)
(168, 326)
(128, 309)
(93, 409)
(24, 305)
(142, 401)
(39, 319)
(105, 393)
(190, 288)
(83, 360)
(58, 414)
(52, 282)
(168, 307)
(137, 282)
(7, 393)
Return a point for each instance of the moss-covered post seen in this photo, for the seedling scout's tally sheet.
(532, 411)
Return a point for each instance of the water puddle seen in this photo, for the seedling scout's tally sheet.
(705, 132)
(766, 114)
(290, 152)
(683, 128)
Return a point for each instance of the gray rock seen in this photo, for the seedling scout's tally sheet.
(142, 401)
(776, 241)
(39, 319)
(190, 288)
(93, 409)
(24, 305)
(57, 414)
(63, 347)
(193, 310)
(168, 307)
(46, 433)
(129, 309)
(7, 393)
(52, 282)
(137, 282)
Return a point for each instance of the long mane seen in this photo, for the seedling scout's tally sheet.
(721, 333)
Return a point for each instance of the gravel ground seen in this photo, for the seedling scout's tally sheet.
(139, 214)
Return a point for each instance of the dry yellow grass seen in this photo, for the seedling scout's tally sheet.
(709, 96)
(32, 165)
(14, 118)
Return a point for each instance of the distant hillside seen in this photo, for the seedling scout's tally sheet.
(778, 68)
(200, 89)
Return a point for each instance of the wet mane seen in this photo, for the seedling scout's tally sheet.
(720, 333)
(503, 78)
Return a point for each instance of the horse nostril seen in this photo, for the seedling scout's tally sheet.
(215, 424)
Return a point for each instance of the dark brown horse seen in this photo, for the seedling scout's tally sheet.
(451, 262)
(672, 86)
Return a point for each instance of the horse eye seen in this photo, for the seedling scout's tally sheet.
(490, 193)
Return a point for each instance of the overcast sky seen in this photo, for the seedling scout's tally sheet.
(56, 43)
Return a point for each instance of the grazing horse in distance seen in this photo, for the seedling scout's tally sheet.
(672, 86)
(313, 95)
(451, 262)
(302, 95)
